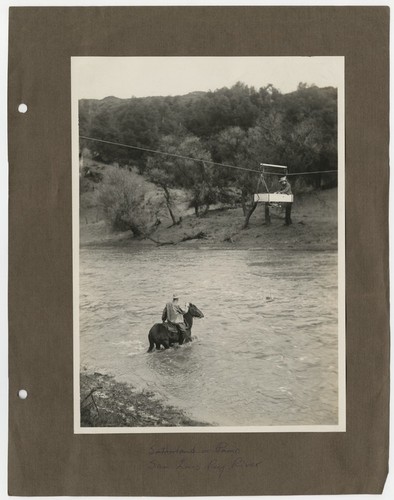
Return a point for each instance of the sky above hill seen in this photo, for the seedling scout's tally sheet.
(124, 77)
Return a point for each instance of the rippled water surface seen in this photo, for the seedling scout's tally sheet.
(255, 361)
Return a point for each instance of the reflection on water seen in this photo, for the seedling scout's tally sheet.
(255, 361)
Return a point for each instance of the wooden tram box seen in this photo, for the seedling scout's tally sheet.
(273, 198)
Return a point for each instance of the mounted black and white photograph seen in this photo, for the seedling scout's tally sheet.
(208, 244)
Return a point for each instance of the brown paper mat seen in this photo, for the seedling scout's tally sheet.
(45, 457)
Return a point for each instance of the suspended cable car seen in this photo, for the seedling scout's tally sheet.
(267, 197)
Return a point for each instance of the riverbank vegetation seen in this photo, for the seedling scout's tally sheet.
(105, 402)
(167, 199)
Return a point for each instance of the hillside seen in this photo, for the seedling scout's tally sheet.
(238, 125)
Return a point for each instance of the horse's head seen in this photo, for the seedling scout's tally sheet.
(195, 311)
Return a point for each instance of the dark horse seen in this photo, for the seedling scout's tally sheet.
(166, 335)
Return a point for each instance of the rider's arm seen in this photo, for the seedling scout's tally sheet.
(183, 310)
(164, 315)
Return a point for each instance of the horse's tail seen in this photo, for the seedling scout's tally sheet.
(151, 343)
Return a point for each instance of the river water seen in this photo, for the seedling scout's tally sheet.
(266, 352)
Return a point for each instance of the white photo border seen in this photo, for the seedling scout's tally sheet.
(341, 426)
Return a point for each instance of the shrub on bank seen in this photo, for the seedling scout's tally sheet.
(123, 197)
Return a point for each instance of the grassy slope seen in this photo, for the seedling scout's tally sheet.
(314, 227)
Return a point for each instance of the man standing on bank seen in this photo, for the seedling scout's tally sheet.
(173, 313)
(285, 188)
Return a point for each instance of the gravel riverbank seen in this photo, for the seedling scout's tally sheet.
(108, 403)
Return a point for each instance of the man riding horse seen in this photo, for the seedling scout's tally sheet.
(173, 314)
(176, 325)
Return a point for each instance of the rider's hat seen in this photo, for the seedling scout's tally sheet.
(175, 295)
(283, 179)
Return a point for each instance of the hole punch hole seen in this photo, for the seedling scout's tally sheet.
(22, 394)
(22, 108)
